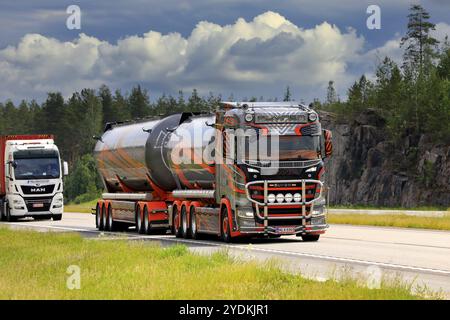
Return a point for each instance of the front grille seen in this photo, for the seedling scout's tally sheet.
(38, 204)
(38, 190)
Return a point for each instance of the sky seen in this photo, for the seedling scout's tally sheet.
(241, 47)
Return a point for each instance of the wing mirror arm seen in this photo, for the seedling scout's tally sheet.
(97, 138)
(212, 125)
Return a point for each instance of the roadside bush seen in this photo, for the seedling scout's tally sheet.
(83, 183)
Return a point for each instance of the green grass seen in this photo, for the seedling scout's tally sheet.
(403, 221)
(84, 207)
(33, 266)
(369, 207)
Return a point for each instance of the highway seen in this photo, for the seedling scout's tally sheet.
(419, 256)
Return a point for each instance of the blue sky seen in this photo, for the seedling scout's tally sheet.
(246, 47)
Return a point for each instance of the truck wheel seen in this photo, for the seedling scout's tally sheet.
(104, 217)
(176, 218)
(111, 225)
(310, 237)
(57, 217)
(98, 217)
(139, 226)
(9, 217)
(193, 224)
(225, 229)
(2, 209)
(184, 223)
(147, 226)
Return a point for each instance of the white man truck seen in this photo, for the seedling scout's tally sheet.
(31, 174)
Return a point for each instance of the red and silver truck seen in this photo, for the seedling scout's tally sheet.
(31, 182)
(251, 169)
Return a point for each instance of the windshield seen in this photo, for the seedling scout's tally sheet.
(36, 166)
(289, 148)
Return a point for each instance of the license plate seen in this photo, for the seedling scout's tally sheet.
(285, 230)
(38, 205)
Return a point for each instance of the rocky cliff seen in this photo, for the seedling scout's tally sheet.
(367, 168)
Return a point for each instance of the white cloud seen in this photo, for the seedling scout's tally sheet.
(258, 57)
(442, 30)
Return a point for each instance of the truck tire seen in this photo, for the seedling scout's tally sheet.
(225, 227)
(193, 224)
(139, 224)
(98, 217)
(9, 217)
(2, 208)
(176, 218)
(56, 217)
(184, 223)
(104, 217)
(310, 237)
(110, 224)
(147, 226)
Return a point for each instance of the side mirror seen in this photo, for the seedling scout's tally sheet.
(327, 143)
(13, 164)
(65, 168)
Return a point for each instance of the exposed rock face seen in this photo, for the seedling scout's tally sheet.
(366, 168)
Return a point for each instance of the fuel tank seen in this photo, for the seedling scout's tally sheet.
(174, 152)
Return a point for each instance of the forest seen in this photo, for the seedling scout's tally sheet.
(413, 96)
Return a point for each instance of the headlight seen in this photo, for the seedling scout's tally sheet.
(58, 202)
(297, 197)
(280, 198)
(248, 117)
(271, 198)
(252, 170)
(245, 212)
(18, 204)
(312, 116)
(319, 210)
(312, 169)
(288, 197)
(318, 220)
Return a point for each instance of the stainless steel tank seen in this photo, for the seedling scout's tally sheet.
(172, 153)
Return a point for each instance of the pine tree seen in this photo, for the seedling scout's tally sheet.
(139, 102)
(287, 94)
(388, 87)
(109, 114)
(331, 93)
(420, 46)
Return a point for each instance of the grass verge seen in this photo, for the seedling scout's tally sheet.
(403, 221)
(34, 266)
(369, 207)
(84, 207)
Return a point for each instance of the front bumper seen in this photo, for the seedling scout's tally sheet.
(29, 207)
(285, 230)
(285, 224)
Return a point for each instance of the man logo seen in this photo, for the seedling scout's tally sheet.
(37, 189)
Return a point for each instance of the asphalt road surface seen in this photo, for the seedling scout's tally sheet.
(418, 256)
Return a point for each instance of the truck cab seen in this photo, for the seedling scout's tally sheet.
(271, 169)
(31, 178)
